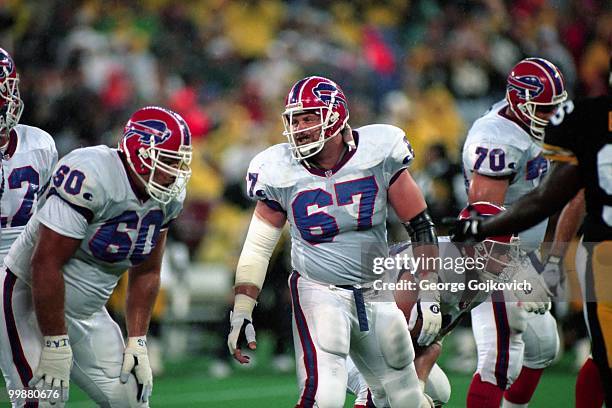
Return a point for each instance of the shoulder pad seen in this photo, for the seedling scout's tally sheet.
(79, 179)
(380, 140)
(275, 167)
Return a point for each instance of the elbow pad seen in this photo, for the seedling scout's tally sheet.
(256, 252)
(422, 229)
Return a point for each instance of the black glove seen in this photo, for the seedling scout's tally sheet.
(468, 230)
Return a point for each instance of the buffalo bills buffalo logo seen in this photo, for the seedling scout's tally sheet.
(325, 92)
(151, 130)
(6, 65)
(528, 86)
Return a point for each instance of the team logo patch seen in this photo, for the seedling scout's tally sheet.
(324, 91)
(536, 168)
(528, 86)
(144, 129)
(6, 64)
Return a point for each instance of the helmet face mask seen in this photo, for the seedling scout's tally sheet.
(11, 105)
(301, 140)
(498, 257)
(157, 145)
(535, 90)
(319, 96)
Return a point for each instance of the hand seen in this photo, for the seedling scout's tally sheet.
(429, 312)
(535, 307)
(553, 276)
(241, 328)
(468, 230)
(136, 361)
(53, 371)
(535, 298)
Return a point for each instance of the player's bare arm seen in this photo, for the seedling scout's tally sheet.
(567, 226)
(405, 197)
(409, 204)
(264, 232)
(406, 209)
(490, 189)
(425, 358)
(51, 253)
(143, 287)
(560, 186)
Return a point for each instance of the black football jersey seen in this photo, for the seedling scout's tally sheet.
(581, 134)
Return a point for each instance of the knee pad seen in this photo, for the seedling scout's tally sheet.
(394, 339)
(437, 386)
(330, 396)
(115, 394)
(331, 330)
(541, 341)
(403, 390)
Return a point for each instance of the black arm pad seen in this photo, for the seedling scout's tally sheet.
(422, 229)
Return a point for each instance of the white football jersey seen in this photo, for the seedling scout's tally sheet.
(496, 146)
(92, 199)
(337, 216)
(27, 165)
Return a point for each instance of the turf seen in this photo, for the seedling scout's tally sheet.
(187, 384)
(255, 389)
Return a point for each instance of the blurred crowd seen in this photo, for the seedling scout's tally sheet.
(428, 66)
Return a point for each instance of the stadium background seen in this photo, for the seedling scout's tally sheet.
(430, 67)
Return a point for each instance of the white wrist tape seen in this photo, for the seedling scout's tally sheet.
(61, 340)
(138, 341)
(244, 305)
(256, 252)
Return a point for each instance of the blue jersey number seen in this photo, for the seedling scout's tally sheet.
(318, 227)
(367, 189)
(112, 242)
(15, 180)
(73, 179)
(497, 158)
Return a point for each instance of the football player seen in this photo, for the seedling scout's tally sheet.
(28, 157)
(581, 141)
(107, 210)
(496, 261)
(502, 160)
(333, 185)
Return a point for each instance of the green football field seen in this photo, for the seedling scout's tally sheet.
(187, 384)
